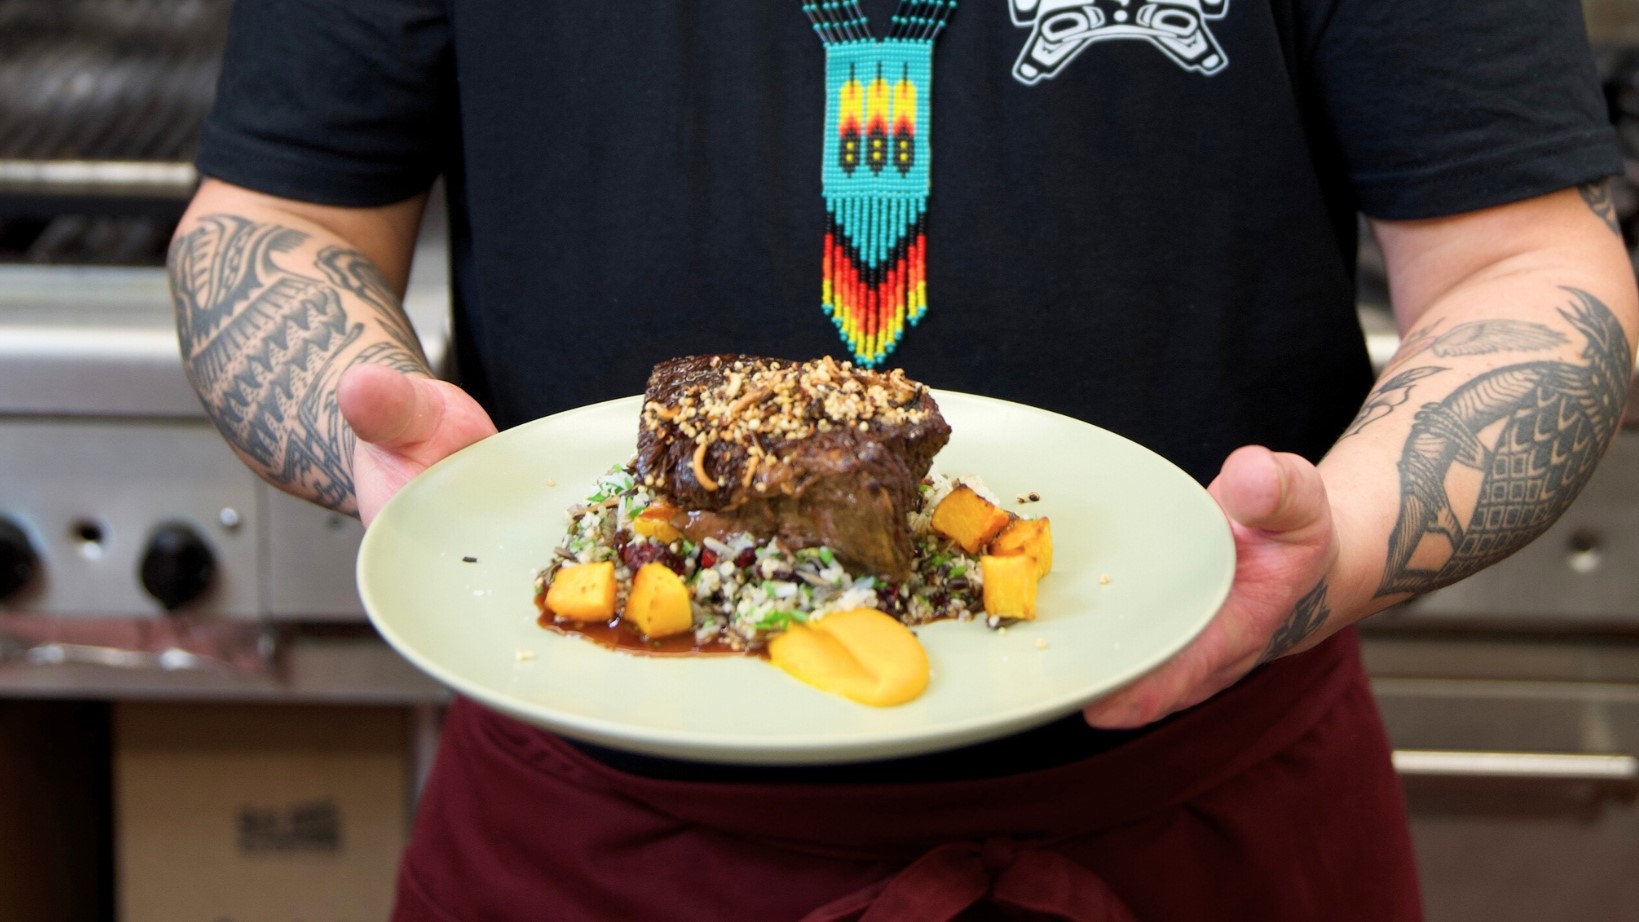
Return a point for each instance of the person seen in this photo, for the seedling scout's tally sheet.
(1142, 215)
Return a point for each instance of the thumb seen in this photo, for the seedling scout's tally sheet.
(389, 408)
(1271, 491)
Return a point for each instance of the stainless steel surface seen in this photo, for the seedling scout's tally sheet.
(104, 178)
(314, 668)
(101, 433)
(57, 654)
(310, 552)
(92, 491)
(107, 79)
(1517, 752)
(1619, 770)
(90, 341)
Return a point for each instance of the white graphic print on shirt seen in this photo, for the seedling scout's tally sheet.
(1062, 29)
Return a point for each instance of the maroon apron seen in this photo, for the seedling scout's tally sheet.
(1274, 801)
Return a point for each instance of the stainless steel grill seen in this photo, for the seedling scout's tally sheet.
(106, 459)
(109, 80)
(101, 104)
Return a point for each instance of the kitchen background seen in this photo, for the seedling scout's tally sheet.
(196, 721)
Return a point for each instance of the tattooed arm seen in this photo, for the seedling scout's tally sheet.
(1517, 333)
(1518, 325)
(275, 302)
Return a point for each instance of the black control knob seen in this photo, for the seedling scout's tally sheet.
(18, 561)
(177, 566)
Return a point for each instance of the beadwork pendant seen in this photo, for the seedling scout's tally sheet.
(875, 170)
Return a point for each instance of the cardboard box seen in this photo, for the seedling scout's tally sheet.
(259, 813)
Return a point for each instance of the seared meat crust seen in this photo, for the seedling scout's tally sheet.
(814, 453)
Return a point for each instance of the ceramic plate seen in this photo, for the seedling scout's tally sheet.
(1142, 560)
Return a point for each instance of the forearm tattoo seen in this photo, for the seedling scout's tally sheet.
(1492, 465)
(1309, 615)
(264, 346)
(1479, 337)
(1597, 196)
(350, 271)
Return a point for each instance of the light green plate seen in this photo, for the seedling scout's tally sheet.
(1142, 560)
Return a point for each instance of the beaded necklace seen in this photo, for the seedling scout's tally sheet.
(875, 169)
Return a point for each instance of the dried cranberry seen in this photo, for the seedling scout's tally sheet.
(708, 558)
(745, 558)
(638, 553)
(634, 555)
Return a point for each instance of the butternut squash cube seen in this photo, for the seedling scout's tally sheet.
(1030, 537)
(969, 519)
(1010, 586)
(583, 592)
(861, 654)
(658, 604)
(655, 522)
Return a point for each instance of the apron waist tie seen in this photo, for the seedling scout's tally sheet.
(948, 879)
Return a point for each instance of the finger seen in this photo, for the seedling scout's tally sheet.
(1172, 688)
(1149, 699)
(389, 408)
(1272, 491)
(1120, 711)
(1152, 696)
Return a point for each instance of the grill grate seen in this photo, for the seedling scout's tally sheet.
(101, 104)
(115, 80)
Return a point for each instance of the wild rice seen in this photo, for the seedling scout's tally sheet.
(744, 591)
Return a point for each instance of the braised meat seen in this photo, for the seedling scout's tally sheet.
(813, 453)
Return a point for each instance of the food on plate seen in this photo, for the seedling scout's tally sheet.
(658, 604)
(1009, 586)
(1031, 537)
(790, 508)
(969, 519)
(817, 454)
(585, 592)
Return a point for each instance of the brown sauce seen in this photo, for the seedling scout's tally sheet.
(616, 635)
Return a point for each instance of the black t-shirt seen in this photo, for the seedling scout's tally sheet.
(1144, 222)
(1137, 239)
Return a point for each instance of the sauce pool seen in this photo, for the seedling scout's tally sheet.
(615, 635)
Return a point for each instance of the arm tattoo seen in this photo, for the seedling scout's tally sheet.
(1497, 461)
(350, 271)
(1479, 337)
(264, 346)
(1597, 196)
(1387, 396)
(1308, 616)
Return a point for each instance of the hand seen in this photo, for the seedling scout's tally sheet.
(404, 424)
(1284, 543)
